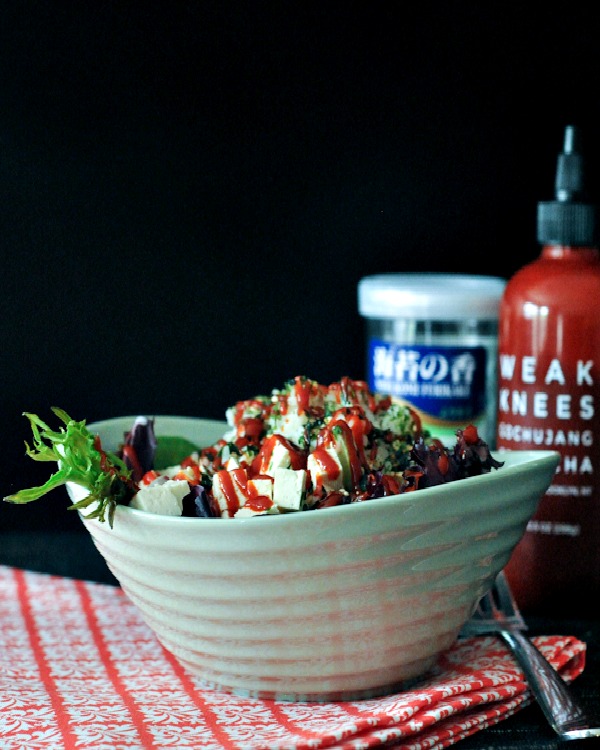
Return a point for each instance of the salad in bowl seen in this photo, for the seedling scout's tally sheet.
(303, 447)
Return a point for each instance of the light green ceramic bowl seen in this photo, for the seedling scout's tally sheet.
(340, 603)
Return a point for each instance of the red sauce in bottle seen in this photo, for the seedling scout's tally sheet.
(549, 398)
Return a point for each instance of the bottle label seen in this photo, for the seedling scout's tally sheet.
(548, 403)
(446, 385)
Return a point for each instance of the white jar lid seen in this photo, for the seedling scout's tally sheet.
(430, 296)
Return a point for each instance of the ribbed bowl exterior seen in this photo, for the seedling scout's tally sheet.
(340, 603)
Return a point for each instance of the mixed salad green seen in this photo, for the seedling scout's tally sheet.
(305, 446)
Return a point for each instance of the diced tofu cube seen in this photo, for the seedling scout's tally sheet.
(280, 458)
(263, 487)
(228, 489)
(289, 488)
(325, 469)
(165, 499)
(259, 498)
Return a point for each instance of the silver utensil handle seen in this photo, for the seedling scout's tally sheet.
(561, 709)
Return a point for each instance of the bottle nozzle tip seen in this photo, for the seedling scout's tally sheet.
(571, 143)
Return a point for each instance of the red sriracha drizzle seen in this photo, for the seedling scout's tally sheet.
(303, 390)
(356, 467)
(254, 500)
(261, 463)
(470, 434)
(234, 483)
(229, 480)
(359, 425)
(326, 462)
(249, 431)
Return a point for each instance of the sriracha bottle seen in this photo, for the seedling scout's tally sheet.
(549, 395)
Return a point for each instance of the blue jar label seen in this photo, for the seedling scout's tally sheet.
(445, 384)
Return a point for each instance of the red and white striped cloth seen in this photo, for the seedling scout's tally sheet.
(80, 669)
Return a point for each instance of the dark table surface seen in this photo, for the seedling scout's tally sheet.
(72, 554)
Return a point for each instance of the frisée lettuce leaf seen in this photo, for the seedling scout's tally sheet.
(81, 460)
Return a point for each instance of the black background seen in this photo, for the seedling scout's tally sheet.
(190, 192)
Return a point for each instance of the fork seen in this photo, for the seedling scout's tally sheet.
(497, 612)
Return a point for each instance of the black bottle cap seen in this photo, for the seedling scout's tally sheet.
(570, 219)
